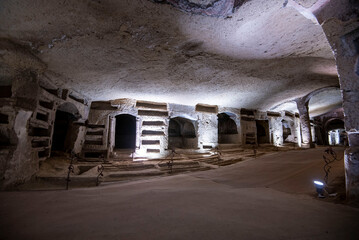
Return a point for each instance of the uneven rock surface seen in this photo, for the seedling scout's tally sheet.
(262, 54)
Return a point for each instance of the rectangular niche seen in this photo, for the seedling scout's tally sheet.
(150, 142)
(4, 119)
(152, 133)
(248, 112)
(5, 92)
(206, 108)
(273, 114)
(47, 105)
(152, 113)
(151, 105)
(153, 123)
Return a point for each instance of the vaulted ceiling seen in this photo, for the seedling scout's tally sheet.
(253, 54)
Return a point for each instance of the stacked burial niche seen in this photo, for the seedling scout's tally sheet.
(182, 133)
(262, 131)
(227, 128)
(125, 132)
(65, 130)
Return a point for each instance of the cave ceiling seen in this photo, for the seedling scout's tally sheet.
(251, 54)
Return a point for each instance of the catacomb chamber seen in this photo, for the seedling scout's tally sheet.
(125, 132)
(182, 133)
(227, 128)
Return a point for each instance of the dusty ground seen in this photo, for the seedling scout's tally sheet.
(271, 197)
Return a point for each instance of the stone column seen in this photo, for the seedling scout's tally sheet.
(111, 136)
(343, 36)
(138, 134)
(302, 105)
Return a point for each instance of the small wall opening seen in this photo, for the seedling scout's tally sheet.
(181, 133)
(286, 131)
(125, 133)
(62, 132)
(4, 119)
(5, 92)
(262, 131)
(336, 132)
(65, 131)
(4, 137)
(227, 129)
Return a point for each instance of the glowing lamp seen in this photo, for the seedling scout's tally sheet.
(320, 188)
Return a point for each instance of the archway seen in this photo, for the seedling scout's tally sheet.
(65, 132)
(335, 131)
(181, 133)
(262, 131)
(227, 129)
(125, 132)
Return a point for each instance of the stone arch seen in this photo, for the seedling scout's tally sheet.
(324, 100)
(343, 35)
(334, 129)
(227, 128)
(182, 133)
(125, 131)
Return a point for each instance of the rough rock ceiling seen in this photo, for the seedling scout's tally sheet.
(320, 103)
(257, 57)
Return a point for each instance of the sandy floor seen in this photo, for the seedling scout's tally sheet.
(271, 197)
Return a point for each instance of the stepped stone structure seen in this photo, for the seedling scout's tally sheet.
(139, 80)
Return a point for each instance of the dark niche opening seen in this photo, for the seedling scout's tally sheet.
(227, 129)
(64, 134)
(125, 135)
(262, 131)
(181, 133)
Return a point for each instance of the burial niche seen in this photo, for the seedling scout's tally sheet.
(227, 128)
(65, 131)
(125, 133)
(181, 133)
(286, 131)
(262, 131)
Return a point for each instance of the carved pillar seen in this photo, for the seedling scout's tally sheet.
(138, 134)
(343, 36)
(302, 105)
(111, 135)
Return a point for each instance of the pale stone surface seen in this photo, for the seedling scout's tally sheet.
(264, 54)
(109, 50)
(352, 172)
(305, 126)
(271, 197)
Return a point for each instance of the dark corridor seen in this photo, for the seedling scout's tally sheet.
(125, 137)
(262, 131)
(61, 137)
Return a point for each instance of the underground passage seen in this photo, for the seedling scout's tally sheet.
(177, 103)
(63, 132)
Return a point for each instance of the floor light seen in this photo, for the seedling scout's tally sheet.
(320, 188)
